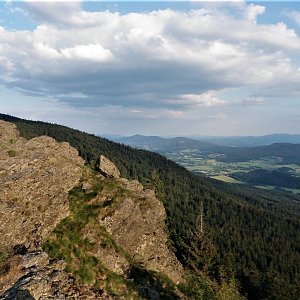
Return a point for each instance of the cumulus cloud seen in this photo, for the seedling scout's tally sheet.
(87, 52)
(252, 11)
(161, 59)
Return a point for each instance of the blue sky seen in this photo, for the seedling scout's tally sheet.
(155, 68)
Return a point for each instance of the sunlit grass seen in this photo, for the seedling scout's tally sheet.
(226, 179)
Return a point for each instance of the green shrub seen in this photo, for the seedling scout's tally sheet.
(197, 288)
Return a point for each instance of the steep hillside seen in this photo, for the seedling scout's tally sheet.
(104, 230)
(72, 232)
(288, 153)
(241, 237)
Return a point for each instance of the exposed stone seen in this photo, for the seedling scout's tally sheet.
(107, 167)
(35, 177)
(150, 193)
(35, 277)
(86, 186)
(112, 260)
(132, 185)
(138, 225)
(135, 219)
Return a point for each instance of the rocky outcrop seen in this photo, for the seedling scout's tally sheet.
(107, 167)
(122, 223)
(35, 276)
(35, 177)
(139, 227)
(136, 221)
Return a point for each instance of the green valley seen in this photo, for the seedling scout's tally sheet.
(274, 166)
(234, 172)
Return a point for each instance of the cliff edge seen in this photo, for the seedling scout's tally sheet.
(35, 177)
(70, 232)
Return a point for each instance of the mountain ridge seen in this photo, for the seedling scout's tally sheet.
(289, 152)
(46, 189)
(252, 141)
(166, 144)
(227, 141)
(242, 231)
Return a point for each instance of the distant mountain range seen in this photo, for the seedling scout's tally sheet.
(111, 137)
(226, 141)
(287, 152)
(159, 144)
(251, 141)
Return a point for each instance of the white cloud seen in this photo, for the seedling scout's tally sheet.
(253, 11)
(205, 99)
(162, 59)
(45, 51)
(88, 52)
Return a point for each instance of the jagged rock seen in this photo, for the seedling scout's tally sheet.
(34, 276)
(86, 186)
(35, 177)
(107, 167)
(138, 225)
(112, 260)
(132, 185)
(150, 193)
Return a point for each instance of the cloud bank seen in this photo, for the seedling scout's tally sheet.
(167, 62)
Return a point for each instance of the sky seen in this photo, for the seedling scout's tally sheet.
(155, 68)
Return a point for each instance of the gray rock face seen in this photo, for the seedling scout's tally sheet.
(138, 226)
(35, 177)
(132, 185)
(137, 223)
(34, 276)
(107, 167)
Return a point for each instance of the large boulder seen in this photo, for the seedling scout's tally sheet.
(107, 167)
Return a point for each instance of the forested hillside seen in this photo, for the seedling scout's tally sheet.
(289, 153)
(270, 178)
(249, 237)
